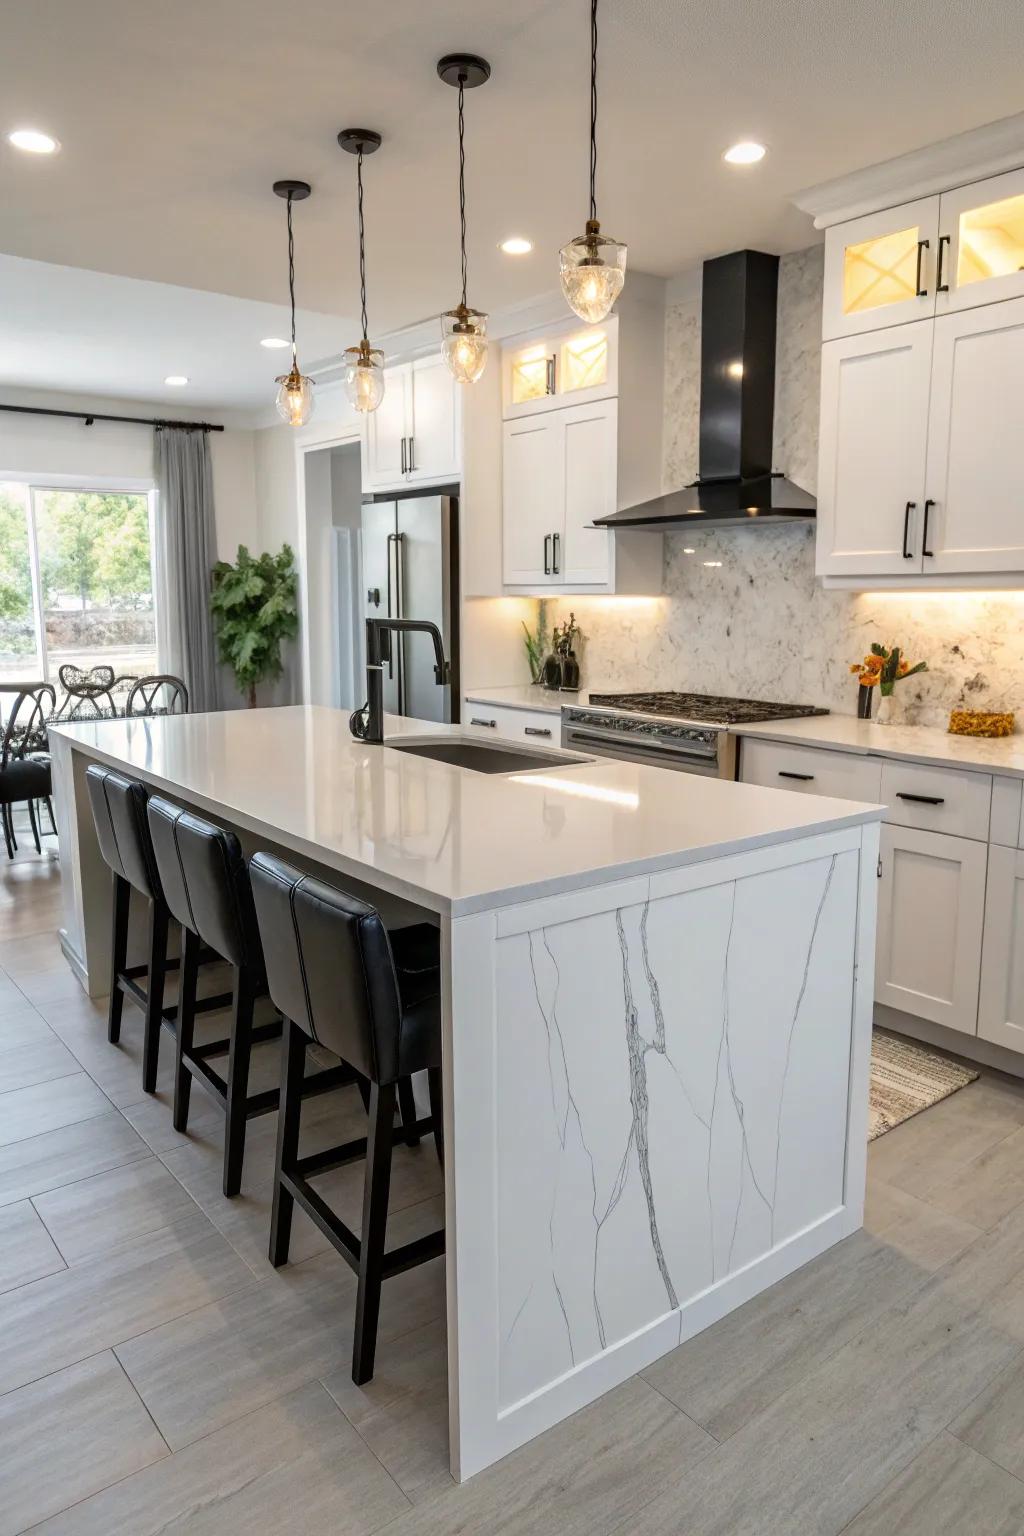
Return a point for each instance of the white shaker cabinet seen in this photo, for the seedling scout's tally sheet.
(384, 433)
(931, 905)
(414, 435)
(1001, 1010)
(533, 497)
(981, 243)
(880, 269)
(873, 451)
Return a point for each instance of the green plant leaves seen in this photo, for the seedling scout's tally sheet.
(254, 607)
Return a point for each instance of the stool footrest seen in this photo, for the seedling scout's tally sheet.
(344, 1239)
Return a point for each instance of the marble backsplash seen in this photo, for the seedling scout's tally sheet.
(755, 621)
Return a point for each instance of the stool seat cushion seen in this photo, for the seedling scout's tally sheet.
(206, 883)
(119, 812)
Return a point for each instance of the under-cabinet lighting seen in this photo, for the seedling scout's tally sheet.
(712, 564)
(628, 799)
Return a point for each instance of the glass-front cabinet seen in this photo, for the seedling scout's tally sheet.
(981, 236)
(571, 366)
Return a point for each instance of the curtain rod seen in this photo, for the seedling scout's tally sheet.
(136, 421)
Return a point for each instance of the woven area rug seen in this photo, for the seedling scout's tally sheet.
(905, 1078)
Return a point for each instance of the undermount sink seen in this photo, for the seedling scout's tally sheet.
(483, 756)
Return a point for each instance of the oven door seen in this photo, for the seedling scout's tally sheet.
(711, 759)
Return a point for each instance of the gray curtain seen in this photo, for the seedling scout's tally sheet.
(186, 551)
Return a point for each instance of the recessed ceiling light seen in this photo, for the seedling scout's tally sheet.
(274, 341)
(33, 141)
(516, 245)
(746, 152)
(176, 380)
(689, 551)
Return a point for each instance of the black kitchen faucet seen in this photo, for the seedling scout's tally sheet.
(367, 724)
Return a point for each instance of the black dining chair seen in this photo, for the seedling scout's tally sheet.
(88, 692)
(160, 694)
(25, 775)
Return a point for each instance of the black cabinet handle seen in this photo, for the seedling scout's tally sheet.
(924, 534)
(907, 554)
(475, 721)
(922, 246)
(412, 454)
(547, 557)
(921, 799)
(549, 381)
(940, 286)
(805, 778)
(403, 456)
(556, 539)
(534, 730)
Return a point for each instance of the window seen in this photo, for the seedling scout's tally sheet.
(76, 581)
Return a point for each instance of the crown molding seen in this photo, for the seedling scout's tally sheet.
(953, 162)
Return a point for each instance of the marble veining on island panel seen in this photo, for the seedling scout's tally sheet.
(670, 1112)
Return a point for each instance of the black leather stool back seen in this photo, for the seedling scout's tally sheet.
(330, 968)
(205, 883)
(119, 811)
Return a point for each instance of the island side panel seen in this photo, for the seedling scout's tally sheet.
(653, 1084)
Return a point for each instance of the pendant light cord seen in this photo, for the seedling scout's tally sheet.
(593, 109)
(462, 184)
(362, 243)
(291, 272)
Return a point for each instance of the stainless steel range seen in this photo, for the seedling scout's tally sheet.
(689, 732)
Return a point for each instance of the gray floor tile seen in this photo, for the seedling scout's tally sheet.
(34, 1062)
(26, 1112)
(89, 1307)
(928, 1236)
(928, 1150)
(987, 1187)
(89, 1218)
(23, 1026)
(72, 1152)
(994, 1422)
(68, 1435)
(27, 1252)
(296, 1465)
(949, 1490)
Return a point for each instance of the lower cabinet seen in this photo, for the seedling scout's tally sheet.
(1001, 1011)
(931, 912)
(539, 726)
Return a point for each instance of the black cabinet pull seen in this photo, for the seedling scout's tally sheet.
(412, 454)
(921, 799)
(403, 455)
(549, 382)
(534, 730)
(924, 534)
(940, 286)
(907, 553)
(475, 721)
(547, 557)
(556, 541)
(805, 778)
(922, 246)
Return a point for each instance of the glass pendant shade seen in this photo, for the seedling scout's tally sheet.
(294, 397)
(465, 343)
(364, 376)
(593, 270)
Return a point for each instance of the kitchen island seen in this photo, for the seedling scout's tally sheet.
(657, 1018)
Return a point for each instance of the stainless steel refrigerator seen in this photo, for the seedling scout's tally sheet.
(410, 571)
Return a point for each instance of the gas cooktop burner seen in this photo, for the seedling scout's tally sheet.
(703, 707)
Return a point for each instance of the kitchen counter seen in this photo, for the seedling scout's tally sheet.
(916, 743)
(656, 1021)
(527, 696)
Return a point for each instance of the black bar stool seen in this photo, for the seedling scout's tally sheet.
(373, 999)
(206, 886)
(119, 812)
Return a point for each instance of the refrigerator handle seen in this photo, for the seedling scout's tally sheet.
(390, 612)
(399, 613)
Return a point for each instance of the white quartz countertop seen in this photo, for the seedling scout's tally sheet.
(917, 743)
(451, 839)
(526, 696)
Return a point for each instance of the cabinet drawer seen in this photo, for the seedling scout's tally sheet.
(937, 799)
(810, 770)
(516, 724)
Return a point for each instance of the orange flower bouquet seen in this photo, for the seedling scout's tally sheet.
(883, 667)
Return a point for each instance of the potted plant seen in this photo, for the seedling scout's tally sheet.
(254, 610)
(882, 668)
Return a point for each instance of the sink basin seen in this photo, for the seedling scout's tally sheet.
(483, 757)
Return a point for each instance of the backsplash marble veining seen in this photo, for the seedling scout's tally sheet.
(759, 622)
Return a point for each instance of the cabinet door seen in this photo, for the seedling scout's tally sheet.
(434, 448)
(1001, 1010)
(931, 903)
(981, 235)
(590, 456)
(974, 441)
(872, 450)
(385, 433)
(533, 499)
(880, 269)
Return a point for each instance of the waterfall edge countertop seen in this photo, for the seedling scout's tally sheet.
(452, 839)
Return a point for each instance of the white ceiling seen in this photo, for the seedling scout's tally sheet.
(176, 119)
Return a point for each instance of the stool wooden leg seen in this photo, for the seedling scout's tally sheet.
(188, 980)
(118, 956)
(293, 1066)
(157, 971)
(376, 1186)
(407, 1106)
(437, 1110)
(34, 824)
(238, 1082)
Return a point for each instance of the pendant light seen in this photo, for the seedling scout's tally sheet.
(464, 330)
(295, 391)
(593, 266)
(364, 372)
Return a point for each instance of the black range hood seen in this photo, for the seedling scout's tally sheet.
(736, 486)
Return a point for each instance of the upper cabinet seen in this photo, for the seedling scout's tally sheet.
(544, 373)
(880, 269)
(414, 436)
(981, 243)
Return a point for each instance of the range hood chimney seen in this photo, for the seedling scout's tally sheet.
(735, 485)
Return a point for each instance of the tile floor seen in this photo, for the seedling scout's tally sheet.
(156, 1375)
